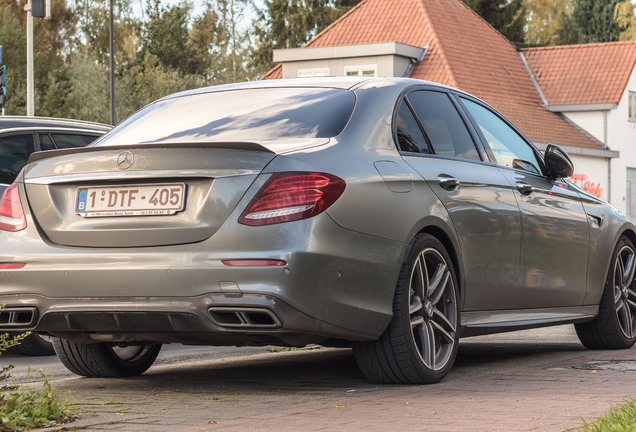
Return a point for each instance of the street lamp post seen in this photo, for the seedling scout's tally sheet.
(30, 99)
(112, 66)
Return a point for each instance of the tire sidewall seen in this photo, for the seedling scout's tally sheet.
(607, 300)
(401, 308)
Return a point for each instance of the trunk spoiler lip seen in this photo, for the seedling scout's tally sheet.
(232, 145)
(274, 146)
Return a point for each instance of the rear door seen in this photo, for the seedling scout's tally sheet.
(437, 143)
(555, 241)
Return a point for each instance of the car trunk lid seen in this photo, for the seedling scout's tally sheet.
(188, 192)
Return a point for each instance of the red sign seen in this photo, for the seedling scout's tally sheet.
(590, 187)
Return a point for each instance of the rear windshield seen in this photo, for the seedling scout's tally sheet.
(238, 115)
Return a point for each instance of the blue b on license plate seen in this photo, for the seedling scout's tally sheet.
(130, 200)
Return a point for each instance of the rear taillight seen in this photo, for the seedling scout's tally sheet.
(11, 214)
(292, 196)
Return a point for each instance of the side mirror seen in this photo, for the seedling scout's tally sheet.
(558, 162)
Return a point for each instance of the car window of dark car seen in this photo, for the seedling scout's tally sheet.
(14, 152)
(45, 142)
(63, 141)
(508, 147)
(241, 115)
(442, 125)
(409, 135)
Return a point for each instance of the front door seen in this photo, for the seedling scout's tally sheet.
(555, 239)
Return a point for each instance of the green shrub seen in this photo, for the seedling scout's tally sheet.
(21, 407)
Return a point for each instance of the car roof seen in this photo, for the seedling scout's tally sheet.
(345, 83)
(24, 122)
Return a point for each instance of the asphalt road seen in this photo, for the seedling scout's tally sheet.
(542, 380)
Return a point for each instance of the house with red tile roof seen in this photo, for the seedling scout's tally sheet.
(594, 86)
(553, 95)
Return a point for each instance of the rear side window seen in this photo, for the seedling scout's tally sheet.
(409, 135)
(45, 142)
(443, 127)
(14, 152)
(239, 115)
(63, 141)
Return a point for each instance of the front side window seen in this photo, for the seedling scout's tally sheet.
(508, 147)
(443, 127)
(14, 152)
(632, 106)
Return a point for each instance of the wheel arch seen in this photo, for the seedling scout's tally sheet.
(453, 251)
(629, 233)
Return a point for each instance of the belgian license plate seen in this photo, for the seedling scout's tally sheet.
(130, 200)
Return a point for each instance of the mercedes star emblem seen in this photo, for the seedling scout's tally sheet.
(125, 160)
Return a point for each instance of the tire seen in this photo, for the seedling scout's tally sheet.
(615, 325)
(35, 345)
(419, 345)
(105, 359)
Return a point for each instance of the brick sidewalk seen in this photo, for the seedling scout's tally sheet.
(539, 380)
(553, 397)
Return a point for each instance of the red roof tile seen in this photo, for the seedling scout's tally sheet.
(583, 74)
(275, 73)
(464, 52)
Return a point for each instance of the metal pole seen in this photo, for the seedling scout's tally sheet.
(112, 66)
(30, 100)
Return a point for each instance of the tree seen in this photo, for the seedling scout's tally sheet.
(595, 20)
(233, 40)
(286, 24)
(624, 16)
(507, 16)
(94, 30)
(549, 22)
(49, 42)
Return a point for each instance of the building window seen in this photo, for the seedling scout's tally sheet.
(362, 70)
(630, 194)
(313, 72)
(632, 106)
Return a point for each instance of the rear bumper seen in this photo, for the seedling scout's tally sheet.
(211, 319)
(340, 287)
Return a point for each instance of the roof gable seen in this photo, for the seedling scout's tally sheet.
(583, 74)
(464, 51)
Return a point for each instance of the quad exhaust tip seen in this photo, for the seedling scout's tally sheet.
(18, 317)
(256, 318)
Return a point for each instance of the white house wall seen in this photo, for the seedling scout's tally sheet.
(621, 135)
(591, 121)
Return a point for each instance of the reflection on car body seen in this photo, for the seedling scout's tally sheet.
(393, 215)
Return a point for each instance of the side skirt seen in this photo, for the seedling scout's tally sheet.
(475, 323)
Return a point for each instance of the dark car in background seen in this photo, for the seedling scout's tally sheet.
(388, 214)
(19, 138)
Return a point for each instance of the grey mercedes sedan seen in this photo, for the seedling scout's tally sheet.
(391, 215)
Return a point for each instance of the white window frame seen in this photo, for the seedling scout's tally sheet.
(313, 72)
(631, 106)
(358, 69)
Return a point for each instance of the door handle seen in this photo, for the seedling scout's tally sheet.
(524, 188)
(447, 182)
